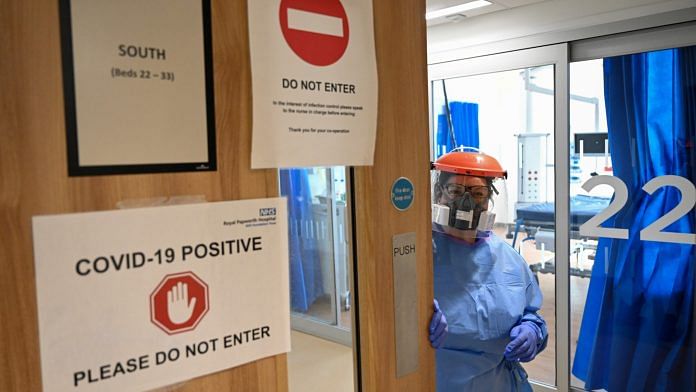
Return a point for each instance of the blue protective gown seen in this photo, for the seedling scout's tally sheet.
(484, 289)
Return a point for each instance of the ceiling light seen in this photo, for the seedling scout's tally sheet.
(456, 9)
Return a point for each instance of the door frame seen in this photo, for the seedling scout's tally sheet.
(556, 55)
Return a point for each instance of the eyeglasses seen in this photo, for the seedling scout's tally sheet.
(454, 191)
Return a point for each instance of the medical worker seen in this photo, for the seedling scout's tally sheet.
(485, 319)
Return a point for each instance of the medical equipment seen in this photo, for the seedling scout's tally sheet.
(537, 221)
(591, 143)
(532, 158)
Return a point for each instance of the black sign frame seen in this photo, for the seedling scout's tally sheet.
(74, 167)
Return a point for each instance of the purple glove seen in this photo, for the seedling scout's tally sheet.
(438, 326)
(524, 339)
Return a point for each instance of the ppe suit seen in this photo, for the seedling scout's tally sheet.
(484, 290)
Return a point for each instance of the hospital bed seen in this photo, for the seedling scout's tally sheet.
(536, 220)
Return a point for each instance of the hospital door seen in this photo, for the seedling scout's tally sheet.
(632, 262)
(598, 137)
(506, 106)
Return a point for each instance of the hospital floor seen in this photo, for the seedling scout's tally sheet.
(317, 365)
(543, 368)
(321, 309)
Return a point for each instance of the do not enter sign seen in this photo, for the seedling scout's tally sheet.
(317, 31)
(179, 302)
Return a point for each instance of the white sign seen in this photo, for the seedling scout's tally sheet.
(138, 299)
(314, 78)
(138, 86)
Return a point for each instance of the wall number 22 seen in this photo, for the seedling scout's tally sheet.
(653, 232)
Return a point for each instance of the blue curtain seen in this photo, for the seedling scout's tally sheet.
(466, 127)
(305, 269)
(637, 327)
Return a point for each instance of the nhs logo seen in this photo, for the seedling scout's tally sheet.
(267, 211)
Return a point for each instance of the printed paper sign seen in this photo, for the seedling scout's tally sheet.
(314, 78)
(142, 298)
(138, 86)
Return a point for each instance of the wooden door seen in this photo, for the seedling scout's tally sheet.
(34, 181)
(402, 150)
(34, 176)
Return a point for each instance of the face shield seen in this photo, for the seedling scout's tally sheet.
(463, 203)
(464, 187)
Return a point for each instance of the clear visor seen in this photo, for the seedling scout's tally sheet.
(462, 205)
(478, 192)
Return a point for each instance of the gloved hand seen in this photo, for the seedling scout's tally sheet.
(438, 326)
(523, 344)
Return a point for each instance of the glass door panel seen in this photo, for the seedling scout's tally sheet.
(633, 147)
(312, 285)
(510, 116)
(319, 257)
(320, 268)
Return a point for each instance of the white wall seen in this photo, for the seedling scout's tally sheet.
(450, 41)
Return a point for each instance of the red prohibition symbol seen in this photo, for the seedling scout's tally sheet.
(179, 302)
(317, 31)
